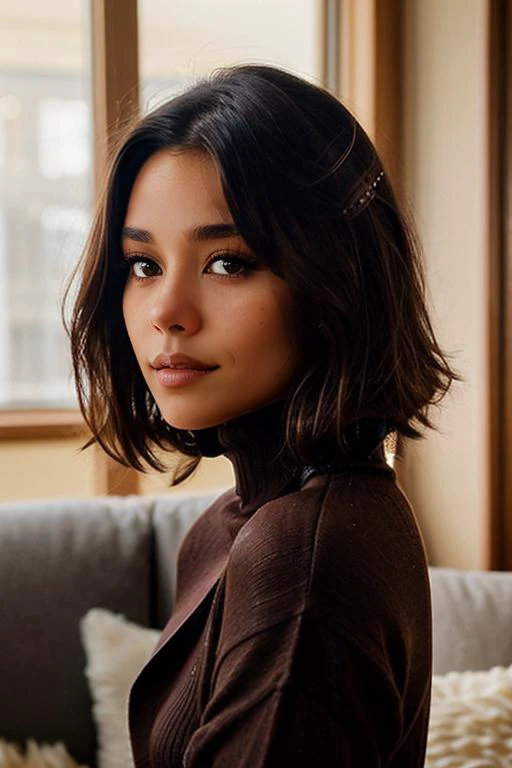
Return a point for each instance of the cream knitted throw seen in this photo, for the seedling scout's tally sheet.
(471, 720)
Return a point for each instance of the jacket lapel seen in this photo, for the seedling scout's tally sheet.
(192, 602)
(143, 704)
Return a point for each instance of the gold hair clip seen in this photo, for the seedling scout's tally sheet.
(365, 198)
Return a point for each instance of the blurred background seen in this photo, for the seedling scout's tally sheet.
(429, 81)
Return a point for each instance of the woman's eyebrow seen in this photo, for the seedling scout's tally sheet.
(134, 233)
(213, 231)
(203, 232)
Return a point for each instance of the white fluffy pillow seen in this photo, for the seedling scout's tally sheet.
(36, 756)
(471, 720)
(116, 651)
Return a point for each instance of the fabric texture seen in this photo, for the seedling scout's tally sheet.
(302, 630)
(116, 651)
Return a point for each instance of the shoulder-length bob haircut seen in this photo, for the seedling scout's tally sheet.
(307, 192)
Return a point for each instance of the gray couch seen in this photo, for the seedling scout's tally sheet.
(59, 558)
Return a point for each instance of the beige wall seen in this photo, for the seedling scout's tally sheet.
(57, 469)
(32, 469)
(445, 476)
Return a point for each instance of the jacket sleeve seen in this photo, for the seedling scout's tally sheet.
(285, 689)
(324, 706)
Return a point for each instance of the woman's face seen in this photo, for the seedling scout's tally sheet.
(196, 297)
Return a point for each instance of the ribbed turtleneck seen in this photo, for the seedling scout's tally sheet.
(254, 444)
(264, 470)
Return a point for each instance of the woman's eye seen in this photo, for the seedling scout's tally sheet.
(142, 268)
(226, 266)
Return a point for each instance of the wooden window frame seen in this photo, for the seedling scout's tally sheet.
(371, 73)
(498, 548)
(47, 424)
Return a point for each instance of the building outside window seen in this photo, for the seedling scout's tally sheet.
(45, 193)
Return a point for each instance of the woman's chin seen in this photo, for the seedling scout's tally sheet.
(193, 423)
(197, 420)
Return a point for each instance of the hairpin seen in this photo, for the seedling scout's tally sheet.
(365, 198)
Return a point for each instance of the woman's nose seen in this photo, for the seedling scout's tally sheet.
(175, 307)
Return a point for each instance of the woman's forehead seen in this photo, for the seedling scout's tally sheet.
(178, 191)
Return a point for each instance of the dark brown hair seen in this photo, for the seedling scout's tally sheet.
(307, 192)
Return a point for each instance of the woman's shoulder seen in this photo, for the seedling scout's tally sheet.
(344, 540)
(369, 574)
(333, 504)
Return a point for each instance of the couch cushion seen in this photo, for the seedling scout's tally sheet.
(472, 619)
(59, 559)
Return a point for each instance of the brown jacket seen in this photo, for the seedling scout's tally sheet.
(301, 634)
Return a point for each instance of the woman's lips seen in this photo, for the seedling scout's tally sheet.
(180, 377)
(179, 360)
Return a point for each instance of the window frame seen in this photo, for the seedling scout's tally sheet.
(498, 524)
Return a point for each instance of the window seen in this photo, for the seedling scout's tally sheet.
(63, 138)
(185, 39)
(45, 193)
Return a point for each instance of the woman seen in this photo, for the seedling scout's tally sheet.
(250, 288)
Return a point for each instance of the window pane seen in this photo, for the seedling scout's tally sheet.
(45, 191)
(185, 39)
